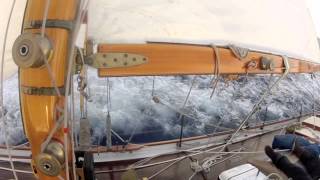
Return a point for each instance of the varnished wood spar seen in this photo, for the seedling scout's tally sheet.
(179, 59)
(38, 112)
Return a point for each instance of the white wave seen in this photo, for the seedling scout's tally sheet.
(134, 111)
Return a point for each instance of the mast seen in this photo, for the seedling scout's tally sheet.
(42, 59)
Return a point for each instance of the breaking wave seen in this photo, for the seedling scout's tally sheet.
(138, 117)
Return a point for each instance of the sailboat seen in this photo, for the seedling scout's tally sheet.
(60, 40)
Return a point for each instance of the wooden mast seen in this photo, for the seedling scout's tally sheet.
(38, 101)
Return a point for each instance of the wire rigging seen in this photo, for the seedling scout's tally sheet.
(3, 116)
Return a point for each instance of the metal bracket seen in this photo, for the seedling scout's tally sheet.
(42, 91)
(267, 64)
(115, 60)
(239, 52)
(51, 23)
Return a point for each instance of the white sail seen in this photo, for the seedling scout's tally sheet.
(276, 26)
(14, 31)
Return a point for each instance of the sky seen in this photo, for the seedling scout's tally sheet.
(314, 6)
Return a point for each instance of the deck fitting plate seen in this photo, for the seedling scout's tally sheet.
(116, 60)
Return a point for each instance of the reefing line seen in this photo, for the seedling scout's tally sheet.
(78, 21)
(216, 71)
(45, 16)
(1, 101)
(209, 162)
(43, 29)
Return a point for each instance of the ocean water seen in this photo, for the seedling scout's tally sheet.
(134, 113)
(137, 117)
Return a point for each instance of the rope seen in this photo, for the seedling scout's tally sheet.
(51, 133)
(153, 86)
(78, 21)
(45, 16)
(108, 131)
(43, 28)
(193, 164)
(52, 77)
(216, 71)
(218, 127)
(118, 136)
(133, 133)
(240, 152)
(72, 131)
(157, 100)
(20, 145)
(108, 119)
(165, 168)
(108, 95)
(183, 106)
(313, 94)
(16, 170)
(255, 107)
(140, 164)
(264, 95)
(3, 116)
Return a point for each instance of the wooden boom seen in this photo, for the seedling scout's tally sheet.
(180, 59)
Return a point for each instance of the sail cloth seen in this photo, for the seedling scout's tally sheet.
(276, 26)
(14, 31)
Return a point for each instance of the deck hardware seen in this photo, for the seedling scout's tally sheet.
(267, 64)
(42, 91)
(89, 48)
(51, 161)
(156, 99)
(84, 134)
(85, 165)
(50, 23)
(251, 65)
(30, 50)
(115, 60)
(239, 52)
(130, 174)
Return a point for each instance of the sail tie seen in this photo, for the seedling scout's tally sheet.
(215, 80)
(208, 163)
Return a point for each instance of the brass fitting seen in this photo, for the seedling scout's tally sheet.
(52, 160)
(31, 50)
